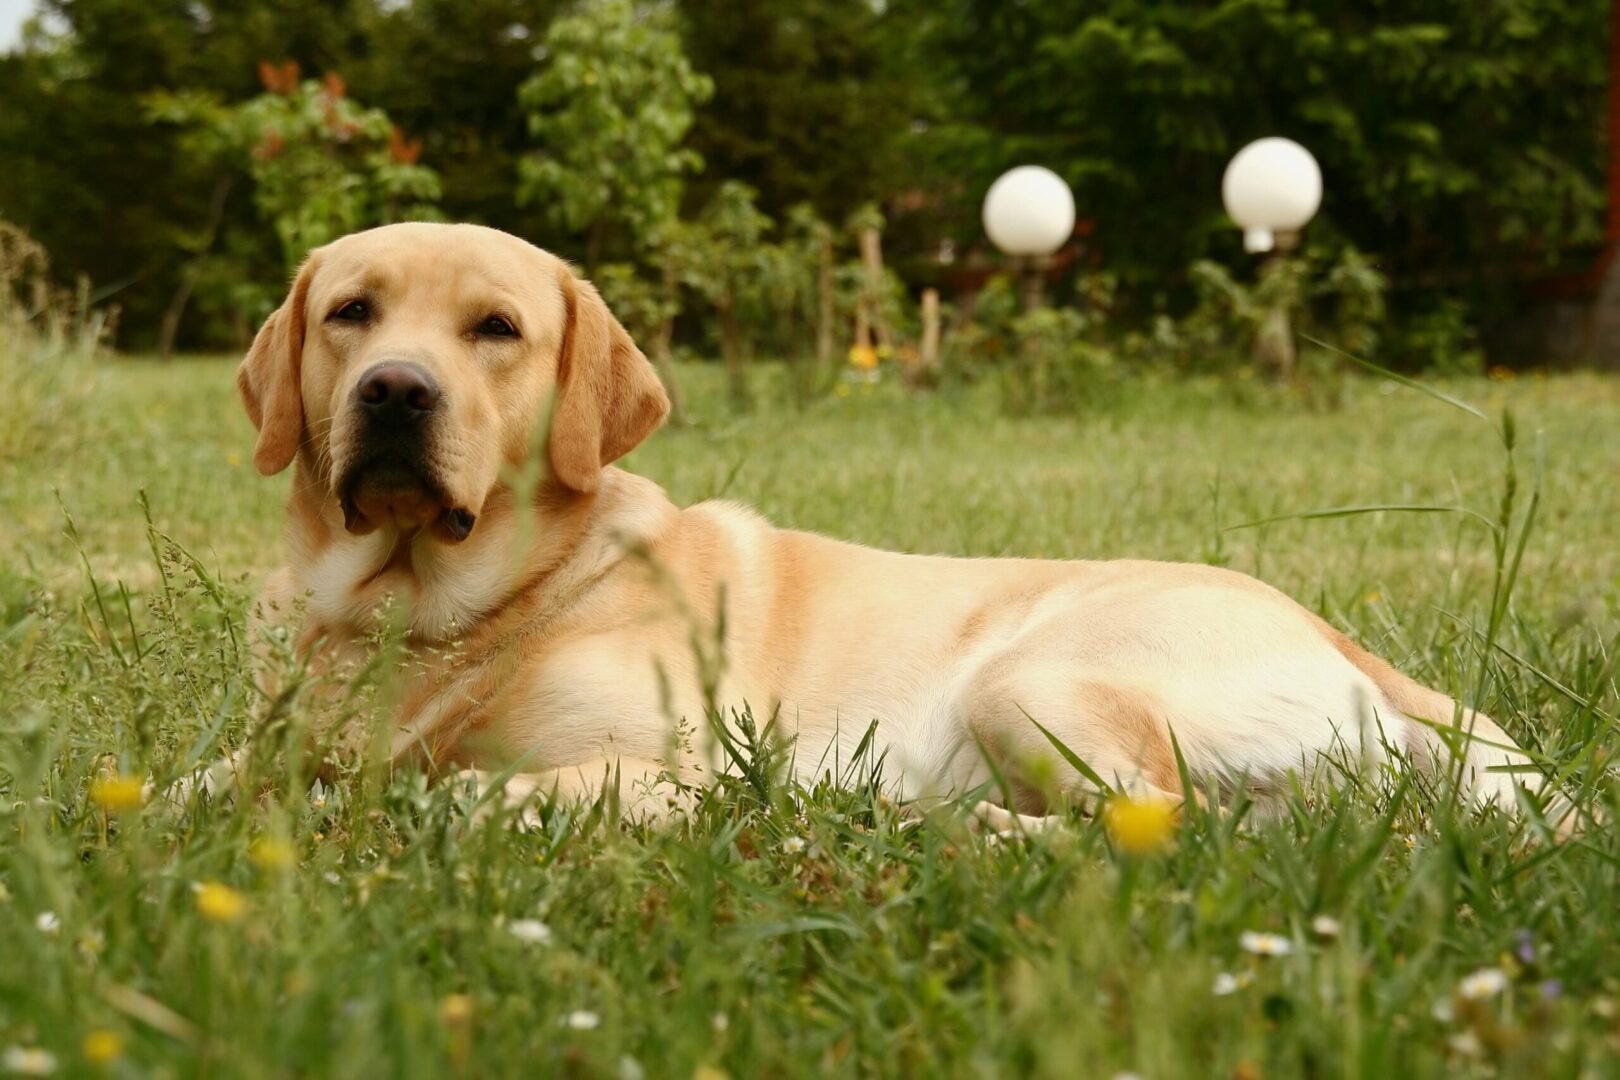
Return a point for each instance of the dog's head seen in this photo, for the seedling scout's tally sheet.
(409, 364)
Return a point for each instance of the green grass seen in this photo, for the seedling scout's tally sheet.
(384, 947)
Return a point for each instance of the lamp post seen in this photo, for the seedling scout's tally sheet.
(1272, 189)
(1029, 214)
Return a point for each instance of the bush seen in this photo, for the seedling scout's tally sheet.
(46, 338)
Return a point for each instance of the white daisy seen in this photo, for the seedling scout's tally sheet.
(1227, 983)
(1326, 926)
(1484, 983)
(1265, 944)
(530, 931)
(28, 1061)
(793, 845)
(582, 1020)
(46, 922)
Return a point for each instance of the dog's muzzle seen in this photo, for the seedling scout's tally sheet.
(392, 481)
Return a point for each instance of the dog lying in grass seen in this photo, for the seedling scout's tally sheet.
(552, 619)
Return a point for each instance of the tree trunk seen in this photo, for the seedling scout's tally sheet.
(826, 314)
(732, 354)
(662, 358)
(664, 364)
(928, 356)
(594, 240)
(170, 329)
(872, 256)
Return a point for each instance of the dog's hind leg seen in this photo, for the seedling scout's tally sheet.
(1116, 731)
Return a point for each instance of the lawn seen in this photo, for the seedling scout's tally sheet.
(370, 928)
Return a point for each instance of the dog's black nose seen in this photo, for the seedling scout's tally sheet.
(398, 391)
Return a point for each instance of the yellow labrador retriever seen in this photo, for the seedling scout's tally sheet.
(405, 379)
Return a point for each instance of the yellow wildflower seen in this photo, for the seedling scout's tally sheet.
(1139, 826)
(269, 853)
(455, 1009)
(117, 793)
(103, 1047)
(864, 357)
(220, 903)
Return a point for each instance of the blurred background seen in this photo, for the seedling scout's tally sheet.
(802, 180)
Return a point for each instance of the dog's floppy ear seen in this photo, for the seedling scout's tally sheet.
(608, 396)
(268, 381)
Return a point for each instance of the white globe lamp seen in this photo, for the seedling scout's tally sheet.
(1029, 212)
(1272, 188)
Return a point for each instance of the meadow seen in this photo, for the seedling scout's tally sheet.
(372, 927)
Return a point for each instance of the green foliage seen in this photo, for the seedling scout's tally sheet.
(1339, 300)
(638, 302)
(47, 338)
(1053, 360)
(448, 72)
(321, 164)
(813, 101)
(610, 106)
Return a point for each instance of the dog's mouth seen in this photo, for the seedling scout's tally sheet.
(389, 490)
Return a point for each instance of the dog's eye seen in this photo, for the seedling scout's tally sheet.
(353, 311)
(497, 326)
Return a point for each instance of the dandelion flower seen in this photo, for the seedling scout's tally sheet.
(1484, 983)
(220, 903)
(1265, 944)
(455, 1009)
(46, 922)
(1139, 826)
(793, 845)
(529, 931)
(1227, 983)
(582, 1020)
(28, 1061)
(103, 1047)
(115, 794)
(91, 944)
(270, 853)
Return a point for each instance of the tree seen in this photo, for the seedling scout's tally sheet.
(112, 196)
(729, 264)
(448, 71)
(610, 106)
(320, 164)
(813, 99)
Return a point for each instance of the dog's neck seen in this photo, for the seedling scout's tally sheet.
(536, 557)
